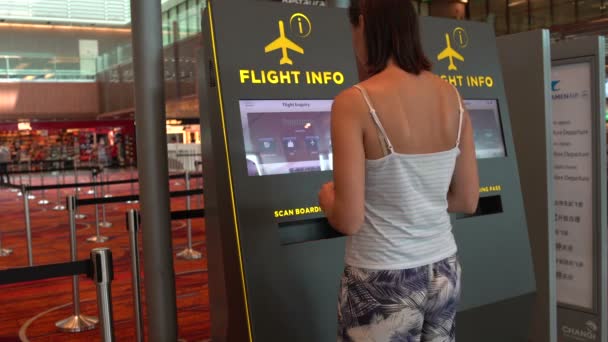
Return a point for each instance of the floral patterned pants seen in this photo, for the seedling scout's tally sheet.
(409, 305)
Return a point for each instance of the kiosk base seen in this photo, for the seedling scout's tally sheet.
(506, 321)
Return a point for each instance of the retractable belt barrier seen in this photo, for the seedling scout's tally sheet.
(182, 175)
(10, 186)
(26, 190)
(90, 184)
(187, 214)
(33, 273)
(81, 168)
(98, 268)
(92, 201)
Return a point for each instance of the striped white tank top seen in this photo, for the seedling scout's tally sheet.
(406, 223)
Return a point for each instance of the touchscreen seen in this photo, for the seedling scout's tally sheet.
(286, 136)
(489, 141)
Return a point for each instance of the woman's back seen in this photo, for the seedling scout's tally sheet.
(411, 144)
(419, 113)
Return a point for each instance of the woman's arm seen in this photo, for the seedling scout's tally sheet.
(343, 200)
(463, 194)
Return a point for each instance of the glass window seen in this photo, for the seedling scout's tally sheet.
(518, 16)
(540, 14)
(416, 5)
(424, 9)
(478, 10)
(170, 22)
(589, 9)
(194, 18)
(563, 12)
(498, 15)
(167, 30)
(182, 19)
(4, 61)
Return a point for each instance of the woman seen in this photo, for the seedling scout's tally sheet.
(404, 157)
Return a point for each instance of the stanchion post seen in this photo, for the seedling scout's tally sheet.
(4, 251)
(133, 228)
(28, 225)
(77, 322)
(11, 179)
(58, 206)
(78, 215)
(43, 200)
(20, 193)
(132, 184)
(98, 238)
(188, 253)
(104, 223)
(92, 178)
(103, 274)
(76, 189)
(199, 185)
(29, 179)
(63, 171)
(107, 191)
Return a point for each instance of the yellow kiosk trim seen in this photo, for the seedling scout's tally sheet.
(232, 202)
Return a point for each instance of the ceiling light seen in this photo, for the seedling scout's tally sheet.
(64, 27)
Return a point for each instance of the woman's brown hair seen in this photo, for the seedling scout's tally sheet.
(391, 30)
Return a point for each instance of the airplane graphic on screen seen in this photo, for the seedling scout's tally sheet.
(450, 53)
(283, 43)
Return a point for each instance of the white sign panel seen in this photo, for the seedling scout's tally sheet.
(88, 52)
(573, 183)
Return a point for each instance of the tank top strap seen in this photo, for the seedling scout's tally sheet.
(375, 118)
(460, 114)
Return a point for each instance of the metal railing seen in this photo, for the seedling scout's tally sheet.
(184, 157)
(14, 68)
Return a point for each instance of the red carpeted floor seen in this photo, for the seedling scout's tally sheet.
(29, 311)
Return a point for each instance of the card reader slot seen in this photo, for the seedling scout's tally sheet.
(488, 205)
(308, 230)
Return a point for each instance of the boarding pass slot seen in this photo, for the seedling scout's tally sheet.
(303, 231)
(488, 205)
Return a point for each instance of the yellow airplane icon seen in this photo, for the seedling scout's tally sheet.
(450, 53)
(283, 43)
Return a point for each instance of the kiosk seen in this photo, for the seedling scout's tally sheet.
(270, 73)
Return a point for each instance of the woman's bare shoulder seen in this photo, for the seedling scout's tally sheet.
(349, 102)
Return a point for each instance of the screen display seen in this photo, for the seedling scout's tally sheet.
(489, 140)
(286, 136)
(290, 136)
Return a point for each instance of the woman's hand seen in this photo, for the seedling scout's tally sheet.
(327, 196)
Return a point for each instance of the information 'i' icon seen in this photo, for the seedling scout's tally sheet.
(300, 25)
(460, 37)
